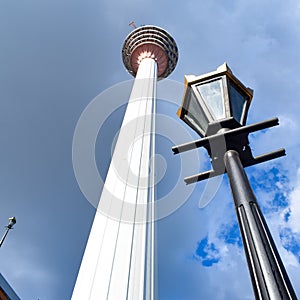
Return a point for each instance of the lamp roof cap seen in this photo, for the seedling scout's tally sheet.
(221, 70)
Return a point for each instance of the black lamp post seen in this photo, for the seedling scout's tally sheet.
(215, 105)
(12, 222)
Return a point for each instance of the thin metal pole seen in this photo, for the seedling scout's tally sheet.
(4, 236)
(268, 275)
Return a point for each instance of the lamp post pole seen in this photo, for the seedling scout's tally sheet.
(268, 275)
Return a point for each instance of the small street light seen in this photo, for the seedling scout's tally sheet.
(12, 222)
(216, 105)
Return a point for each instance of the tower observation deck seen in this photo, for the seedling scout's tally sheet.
(150, 42)
(119, 259)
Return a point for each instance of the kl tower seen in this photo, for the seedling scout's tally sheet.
(118, 262)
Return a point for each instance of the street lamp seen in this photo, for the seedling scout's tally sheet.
(12, 222)
(216, 105)
(214, 97)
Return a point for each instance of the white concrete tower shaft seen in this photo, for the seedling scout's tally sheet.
(118, 262)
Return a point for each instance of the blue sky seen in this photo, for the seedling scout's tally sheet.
(57, 56)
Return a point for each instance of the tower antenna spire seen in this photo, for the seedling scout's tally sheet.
(132, 24)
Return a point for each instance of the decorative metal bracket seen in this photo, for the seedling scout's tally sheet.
(226, 135)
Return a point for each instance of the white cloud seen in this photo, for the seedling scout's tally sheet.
(294, 207)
